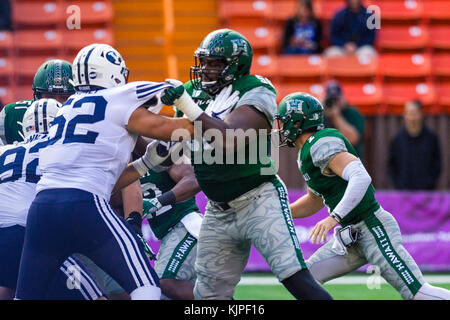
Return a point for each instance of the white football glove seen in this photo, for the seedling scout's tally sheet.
(224, 101)
(174, 82)
(156, 153)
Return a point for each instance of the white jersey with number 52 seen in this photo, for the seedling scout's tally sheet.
(89, 143)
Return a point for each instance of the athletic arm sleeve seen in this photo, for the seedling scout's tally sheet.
(262, 99)
(358, 182)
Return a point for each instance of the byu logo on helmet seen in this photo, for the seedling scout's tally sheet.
(113, 58)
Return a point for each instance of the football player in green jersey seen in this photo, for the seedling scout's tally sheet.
(173, 215)
(336, 178)
(247, 204)
(52, 80)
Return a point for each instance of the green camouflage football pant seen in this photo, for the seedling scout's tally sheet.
(260, 217)
(380, 244)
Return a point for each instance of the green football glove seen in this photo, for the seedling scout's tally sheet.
(169, 95)
(150, 206)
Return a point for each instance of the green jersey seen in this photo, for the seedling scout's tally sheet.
(10, 115)
(155, 184)
(315, 156)
(221, 180)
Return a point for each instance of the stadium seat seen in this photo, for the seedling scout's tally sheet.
(316, 89)
(6, 70)
(23, 92)
(437, 10)
(6, 42)
(402, 38)
(265, 65)
(74, 40)
(301, 66)
(38, 40)
(405, 65)
(400, 10)
(439, 36)
(440, 64)
(368, 97)
(397, 94)
(248, 12)
(284, 9)
(26, 67)
(95, 12)
(352, 67)
(262, 39)
(328, 8)
(7, 94)
(443, 96)
(37, 13)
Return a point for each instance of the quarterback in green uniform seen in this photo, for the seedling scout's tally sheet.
(52, 80)
(170, 208)
(246, 207)
(336, 178)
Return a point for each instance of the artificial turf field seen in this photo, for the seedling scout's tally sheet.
(353, 287)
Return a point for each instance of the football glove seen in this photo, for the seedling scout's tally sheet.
(150, 207)
(156, 153)
(222, 103)
(135, 222)
(169, 95)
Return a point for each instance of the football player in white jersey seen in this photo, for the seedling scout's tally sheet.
(19, 173)
(89, 146)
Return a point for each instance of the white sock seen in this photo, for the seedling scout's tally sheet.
(146, 293)
(429, 292)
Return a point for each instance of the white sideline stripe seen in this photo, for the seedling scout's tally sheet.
(250, 280)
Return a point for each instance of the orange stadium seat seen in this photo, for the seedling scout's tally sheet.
(26, 67)
(400, 10)
(38, 40)
(443, 96)
(261, 38)
(265, 65)
(397, 94)
(352, 67)
(7, 94)
(301, 66)
(402, 38)
(95, 12)
(316, 89)
(284, 9)
(74, 40)
(438, 10)
(328, 8)
(37, 13)
(6, 42)
(405, 65)
(366, 96)
(248, 12)
(439, 36)
(23, 92)
(6, 70)
(440, 64)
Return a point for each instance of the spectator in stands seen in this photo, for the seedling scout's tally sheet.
(349, 33)
(414, 160)
(303, 32)
(5, 15)
(345, 118)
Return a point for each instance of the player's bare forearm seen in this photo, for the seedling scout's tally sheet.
(132, 198)
(306, 206)
(128, 176)
(148, 124)
(187, 185)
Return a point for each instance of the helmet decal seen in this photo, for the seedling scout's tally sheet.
(112, 57)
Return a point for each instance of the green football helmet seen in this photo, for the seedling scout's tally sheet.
(298, 112)
(229, 47)
(54, 77)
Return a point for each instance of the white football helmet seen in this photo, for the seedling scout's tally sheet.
(39, 116)
(98, 66)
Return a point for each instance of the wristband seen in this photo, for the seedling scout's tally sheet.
(335, 216)
(167, 198)
(188, 106)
